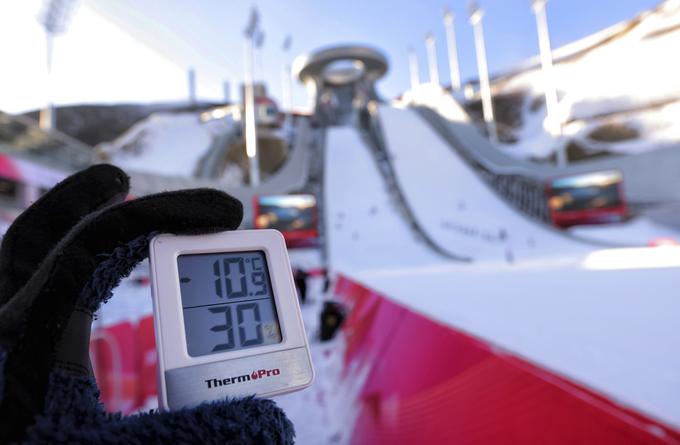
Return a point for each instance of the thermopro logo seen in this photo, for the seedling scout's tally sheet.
(255, 375)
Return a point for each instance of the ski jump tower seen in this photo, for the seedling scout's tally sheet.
(340, 80)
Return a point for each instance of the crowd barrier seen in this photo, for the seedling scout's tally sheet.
(430, 383)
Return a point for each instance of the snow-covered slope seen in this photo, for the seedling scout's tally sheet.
(618, 89)
(623, 80)
(454, 205)
(165, 143)
(364, 226)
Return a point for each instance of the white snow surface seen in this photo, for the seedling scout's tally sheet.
(623, 75)
(166, 143)
(638, 231)
(322, 413)
(606, 318)
(629, 80)
(454, 205)
(614, 331)
(435, 97)
(365, 229)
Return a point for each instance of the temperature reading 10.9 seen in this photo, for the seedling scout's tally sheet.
(227, 302)
(232, 280)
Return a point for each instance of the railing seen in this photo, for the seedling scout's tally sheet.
(20, 135)
(520, 187)
(372, 133)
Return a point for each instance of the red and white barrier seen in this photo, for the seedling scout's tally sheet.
(429, 383)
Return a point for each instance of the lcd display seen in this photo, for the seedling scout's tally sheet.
(227, 302)
(287, 213)
(589, 198)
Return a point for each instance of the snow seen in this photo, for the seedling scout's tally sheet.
(454, 205)
(307, 258)
(435, 97)
(629, 80)
(624, 75)
(639, 231)
(364, 227)
(603, 328)
(319, 413)
(322, 413)
(166, 143)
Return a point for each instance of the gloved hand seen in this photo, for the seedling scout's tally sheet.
(58, 262)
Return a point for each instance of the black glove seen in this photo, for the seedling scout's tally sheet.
(59, 261)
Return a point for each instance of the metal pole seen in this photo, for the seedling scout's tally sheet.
(54, 19)
(249, 100)
(432, 59)
(258, 41)
(413, 68)
(454, 67)
(47, 115)
(484, 85)
(251, 128)
(191, 77)
(551, 100)
(286, 77)
(285, 87)
(226, 87)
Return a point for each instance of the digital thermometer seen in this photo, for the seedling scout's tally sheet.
(226, 317)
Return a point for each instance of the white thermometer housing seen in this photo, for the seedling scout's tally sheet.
(226, 317)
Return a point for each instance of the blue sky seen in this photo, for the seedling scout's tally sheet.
(208, 34)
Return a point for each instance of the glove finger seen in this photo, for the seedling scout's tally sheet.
(33, 321)
(40, 227)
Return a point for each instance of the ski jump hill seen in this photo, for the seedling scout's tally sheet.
(471, 321)
(37, 160)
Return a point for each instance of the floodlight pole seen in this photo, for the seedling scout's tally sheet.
(226, 90)
(258, 41)
(249, 101)
(287, 80)
(191, 78)
(54, 20)
(414, 70)
(47, 118)
(476, 15)
(553, 119)
(286, 87)
(452, 47)
(432, 59)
